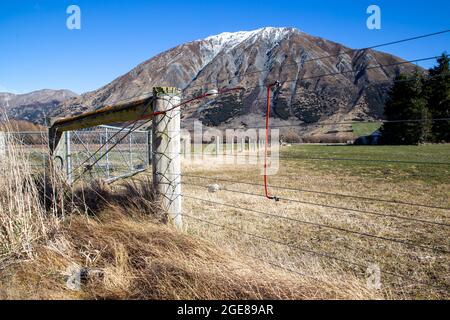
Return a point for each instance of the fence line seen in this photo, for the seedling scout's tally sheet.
(316, 253)
(331, 207)
(106, 152)
(120, 163)
(338, 159)
(322, 192)
(361, 234)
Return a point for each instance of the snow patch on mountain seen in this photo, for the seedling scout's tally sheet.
(227, 41)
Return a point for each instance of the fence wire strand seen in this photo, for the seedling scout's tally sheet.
(316, 253)
(320, 225)
(330, 206)
(325, 193)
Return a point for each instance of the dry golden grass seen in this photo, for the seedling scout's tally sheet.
(418, 265)
(132, 255)
(23, 215)
(138, 259)
(116, 240)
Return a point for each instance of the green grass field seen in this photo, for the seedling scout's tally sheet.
(428, 163)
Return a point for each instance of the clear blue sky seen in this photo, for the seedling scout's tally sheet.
(38, 51)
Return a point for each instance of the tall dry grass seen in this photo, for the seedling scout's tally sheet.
(116, 240)
(122, 250)
(24, 218)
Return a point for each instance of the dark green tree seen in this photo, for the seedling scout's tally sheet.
(406, 102)
(437, 88)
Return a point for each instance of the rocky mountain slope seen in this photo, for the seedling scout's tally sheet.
(33, 106)
(252, 60)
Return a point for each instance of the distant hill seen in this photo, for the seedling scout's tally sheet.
(33, 106)
(21, 126)
(235, 59)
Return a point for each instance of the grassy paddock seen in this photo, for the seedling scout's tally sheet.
(319, 237)
(114, 239)
(384, 162)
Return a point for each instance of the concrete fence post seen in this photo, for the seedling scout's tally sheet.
(166, 152)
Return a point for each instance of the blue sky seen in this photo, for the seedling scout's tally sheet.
(38, 51)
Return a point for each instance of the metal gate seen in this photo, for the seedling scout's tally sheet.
(108, 153)
(86, 153)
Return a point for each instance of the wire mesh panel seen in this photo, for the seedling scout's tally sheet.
(108, 153)
(102, 152)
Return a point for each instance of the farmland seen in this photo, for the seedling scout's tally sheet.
(375, 196)
(344, 213)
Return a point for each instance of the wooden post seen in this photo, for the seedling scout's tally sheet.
(166, 152)
(186, 147)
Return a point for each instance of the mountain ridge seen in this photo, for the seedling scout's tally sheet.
(252, 59)
(33, 106)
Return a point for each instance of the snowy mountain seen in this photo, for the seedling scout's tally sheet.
(354, 88)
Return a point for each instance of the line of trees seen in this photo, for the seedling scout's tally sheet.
(424, 98)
